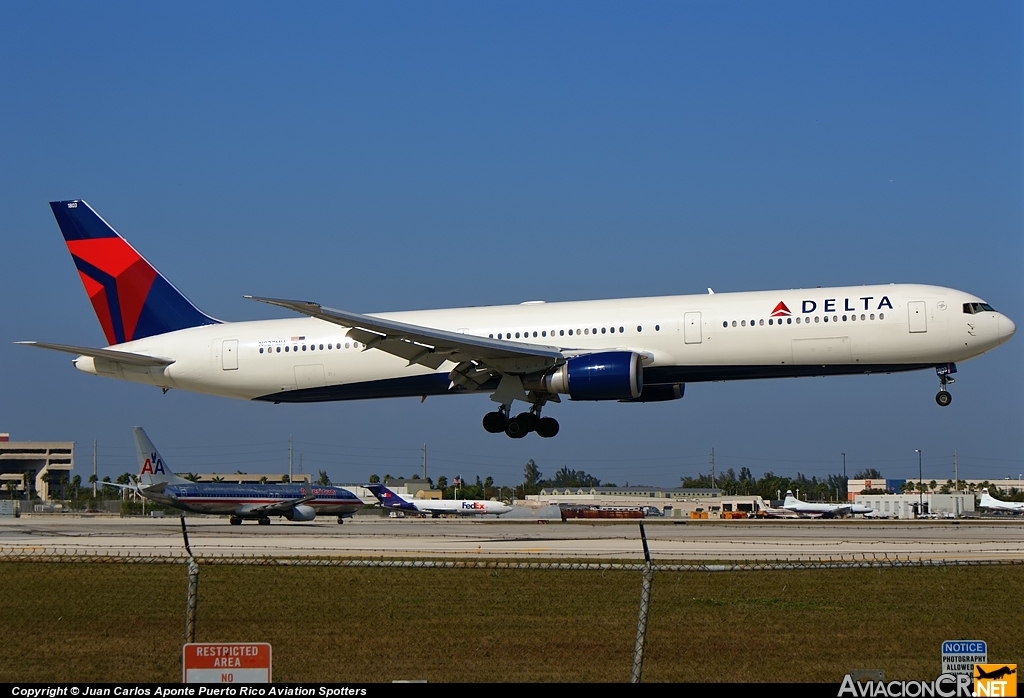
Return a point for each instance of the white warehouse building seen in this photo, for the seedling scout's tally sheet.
(905, 506)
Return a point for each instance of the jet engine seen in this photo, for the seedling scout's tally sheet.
(660, 393)
(610, 375)
(301, 512)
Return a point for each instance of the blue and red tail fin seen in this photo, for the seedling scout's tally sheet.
(131, 298)
(389, 499)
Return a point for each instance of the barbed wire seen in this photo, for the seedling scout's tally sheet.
(853, 561)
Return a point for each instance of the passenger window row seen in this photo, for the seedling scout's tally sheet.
(311, 347)
(571, 332)
(805, 320)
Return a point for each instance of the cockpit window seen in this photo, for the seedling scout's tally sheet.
(974, 308)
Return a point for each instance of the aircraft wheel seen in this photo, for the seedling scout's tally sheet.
(341, 519)
(234, 521)
(264, 521)
(494, 422)
(943, 398)
(517, 428)
(547, 427)
(529, 419)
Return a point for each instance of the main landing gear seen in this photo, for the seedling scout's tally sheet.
(237, 520)
(944, 397)
(522, 424)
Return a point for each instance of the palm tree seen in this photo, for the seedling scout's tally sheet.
(75, 487)
(191, 477)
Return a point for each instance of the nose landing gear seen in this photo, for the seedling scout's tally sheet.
(944, 397)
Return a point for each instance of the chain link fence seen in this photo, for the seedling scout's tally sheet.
(73, 617)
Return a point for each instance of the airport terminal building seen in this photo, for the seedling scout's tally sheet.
(35, 468)
(676, 502)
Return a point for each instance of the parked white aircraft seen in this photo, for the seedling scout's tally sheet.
(437, 507)
(990, 502)
(821, 509)
(629, 350)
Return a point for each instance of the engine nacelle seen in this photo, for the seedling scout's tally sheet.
(301, 512)
(610, 375)
(660, 393)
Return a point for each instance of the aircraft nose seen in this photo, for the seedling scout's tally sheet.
(1006, 328)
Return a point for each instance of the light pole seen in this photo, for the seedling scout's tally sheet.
(920, 488)
(846, 483)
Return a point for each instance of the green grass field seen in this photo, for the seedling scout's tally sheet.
(125, 622)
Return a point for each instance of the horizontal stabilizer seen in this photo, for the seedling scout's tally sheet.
(123, 357)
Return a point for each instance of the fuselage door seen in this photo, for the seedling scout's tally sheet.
(229, 355)
(918, 319)
(691, 328)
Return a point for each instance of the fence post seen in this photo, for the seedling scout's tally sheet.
(193, 587)
(645, 604)
(190, 604)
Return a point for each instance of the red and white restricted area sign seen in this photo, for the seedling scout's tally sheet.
(226, 662)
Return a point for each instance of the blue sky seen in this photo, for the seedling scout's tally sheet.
(391, 156)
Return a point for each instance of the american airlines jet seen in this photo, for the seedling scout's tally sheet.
(626, 350)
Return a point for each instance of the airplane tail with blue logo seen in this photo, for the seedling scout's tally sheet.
(152, 468)
(131, 298)
(388, 499)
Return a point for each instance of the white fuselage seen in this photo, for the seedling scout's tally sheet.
(725, 336)
(990, 502)
(460, 507)
(800, 507)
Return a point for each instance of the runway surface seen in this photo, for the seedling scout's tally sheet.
(368, 536)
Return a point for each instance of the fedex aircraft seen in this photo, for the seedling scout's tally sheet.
(990, 502)
(437, 507)
(295, 502)
(627, 350)
(822, 509)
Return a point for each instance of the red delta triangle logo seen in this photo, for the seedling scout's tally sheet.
(781, 310)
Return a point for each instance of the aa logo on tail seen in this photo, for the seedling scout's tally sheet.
(153, 466)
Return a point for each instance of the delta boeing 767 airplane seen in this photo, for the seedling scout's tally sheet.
(626, 350)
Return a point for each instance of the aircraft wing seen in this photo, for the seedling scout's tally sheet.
(282, 506)
(431, 347)
(123, 357)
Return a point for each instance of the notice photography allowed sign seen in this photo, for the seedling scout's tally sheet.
(226, 662)
(960, 656)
